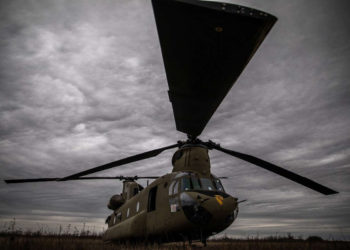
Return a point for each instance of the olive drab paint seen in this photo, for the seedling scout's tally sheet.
(183, 205)
(192, 158)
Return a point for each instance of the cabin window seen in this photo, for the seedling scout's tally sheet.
(207, 184)
(136, 191)
(127, 213)
(114, 219)
(137, 206)
(186, 184)
(152, 195)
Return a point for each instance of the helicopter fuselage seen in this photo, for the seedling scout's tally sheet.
(176, 206)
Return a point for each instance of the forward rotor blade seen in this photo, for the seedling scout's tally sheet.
(118, 163)
(205, 47)
(277, 170)
(13, 181)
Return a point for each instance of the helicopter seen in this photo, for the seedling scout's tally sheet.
(205, 47)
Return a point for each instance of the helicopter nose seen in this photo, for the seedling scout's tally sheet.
(224, 209)
(217, 209)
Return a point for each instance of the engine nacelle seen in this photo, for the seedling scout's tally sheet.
(115, 202)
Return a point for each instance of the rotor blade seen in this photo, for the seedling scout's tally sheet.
(30, 180)
(118, 163)
(13, 181)
(205, 47)
(149, 177)
(277, 170)
(116, 178)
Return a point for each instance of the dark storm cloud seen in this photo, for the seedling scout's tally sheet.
(82, 84)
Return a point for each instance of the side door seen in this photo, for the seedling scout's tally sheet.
(152, 211)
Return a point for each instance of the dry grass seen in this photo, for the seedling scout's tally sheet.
(279, 245)
(66, 242)
(14, 238)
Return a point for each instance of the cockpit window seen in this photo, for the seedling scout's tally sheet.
(195, 183)
(171, 188)
(218, 185)
(181, 174)
(185, 184)
(190, 181)
(207, 184)
(176, 187)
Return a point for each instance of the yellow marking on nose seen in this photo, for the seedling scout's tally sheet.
(219, 199)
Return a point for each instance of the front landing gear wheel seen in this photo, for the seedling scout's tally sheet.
(204, 241)
(203, 238)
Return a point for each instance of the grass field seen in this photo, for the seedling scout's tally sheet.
(69, 242)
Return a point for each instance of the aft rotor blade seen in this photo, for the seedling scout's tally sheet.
(118, 163)
(13, 181)
(205, 47)
(277, 170)
(30, 180)
(116, 178)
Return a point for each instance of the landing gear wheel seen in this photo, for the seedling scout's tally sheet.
(204, 241)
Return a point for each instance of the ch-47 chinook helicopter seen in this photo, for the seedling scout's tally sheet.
(205, 47)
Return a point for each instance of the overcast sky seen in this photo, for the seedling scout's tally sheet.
(82, 83)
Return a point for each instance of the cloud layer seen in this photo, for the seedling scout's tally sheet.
(82, 83)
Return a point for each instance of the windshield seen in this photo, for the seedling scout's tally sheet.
(218, 185)
(207, 184)
(186, 184)
(193, 182)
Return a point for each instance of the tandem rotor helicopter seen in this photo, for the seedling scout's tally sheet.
(205, 47)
